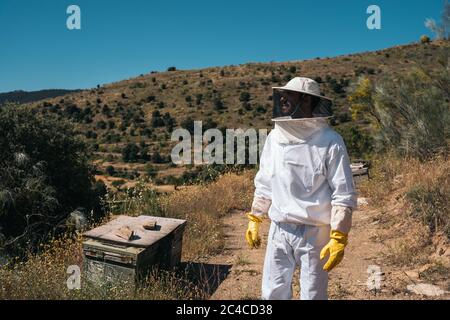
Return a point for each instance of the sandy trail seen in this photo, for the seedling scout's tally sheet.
(347, 281)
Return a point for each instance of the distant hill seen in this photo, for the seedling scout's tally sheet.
(129, 123)
(20, 96)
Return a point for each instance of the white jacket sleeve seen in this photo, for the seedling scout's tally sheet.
(341, 219)
(340, 179)
(263, 182)
(339, 176)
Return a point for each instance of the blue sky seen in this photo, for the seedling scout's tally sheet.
(121, 39)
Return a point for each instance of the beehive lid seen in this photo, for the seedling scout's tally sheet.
(142, 237)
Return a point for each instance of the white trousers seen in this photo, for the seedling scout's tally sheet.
(289, 245)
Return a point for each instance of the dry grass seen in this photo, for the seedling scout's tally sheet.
(204, 206)
(390, 173)
(410, 247)
(43, 275)
(242, 260)
(408, 192)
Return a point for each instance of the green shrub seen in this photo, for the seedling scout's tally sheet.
(244, 96)
(110, 170)
(130, 153)
(425, 39)
(410, 112)
(359, 144)
(45, 176)
(218, 104)
(118, 183)
(151, 171)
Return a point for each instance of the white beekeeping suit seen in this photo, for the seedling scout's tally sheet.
(305, 185)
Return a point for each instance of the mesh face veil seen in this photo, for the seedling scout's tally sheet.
(287, 111)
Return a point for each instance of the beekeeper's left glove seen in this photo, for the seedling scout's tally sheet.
(252, 234)
(335, 247)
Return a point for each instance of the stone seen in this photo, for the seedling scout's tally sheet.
(413, 274)
(425, 289)
(362, 202)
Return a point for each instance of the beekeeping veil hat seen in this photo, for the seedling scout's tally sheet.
(321, 109)
(290, 125)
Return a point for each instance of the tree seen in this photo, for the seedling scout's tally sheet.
(130, 153)
(244, 96)
(101, 124)
(441, 30)
(169, 122)
(45, 176)
(151, 171)
(425, 39)
(410, 112)
(361, 100)
(218, 104)
(318, 79)
(358, 143)
(110, 170)
(188, 124)
(157, 120)
(144, 153)
(198, 98)
(157, 158)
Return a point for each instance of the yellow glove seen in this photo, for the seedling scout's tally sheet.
(252, 234)
(335, 247)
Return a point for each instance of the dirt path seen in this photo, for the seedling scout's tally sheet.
(347, 281)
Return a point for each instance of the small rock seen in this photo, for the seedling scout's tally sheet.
(424, 267)
(443, 251)
(362, 202)
(77, 219)
(425, 289)
(414, 274)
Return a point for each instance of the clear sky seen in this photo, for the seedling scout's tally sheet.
(120, 39)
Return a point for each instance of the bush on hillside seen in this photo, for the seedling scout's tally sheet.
(45, 176)
(410, 113)
(359, 144)
(425, 39)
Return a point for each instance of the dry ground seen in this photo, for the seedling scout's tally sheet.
(347, 281)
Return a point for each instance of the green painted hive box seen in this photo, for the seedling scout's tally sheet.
(109, 257)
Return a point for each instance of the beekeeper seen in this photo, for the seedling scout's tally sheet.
(305, 185)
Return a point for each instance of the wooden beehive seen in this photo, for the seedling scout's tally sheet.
(110, 257)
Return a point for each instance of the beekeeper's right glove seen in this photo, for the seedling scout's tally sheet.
(252, 234)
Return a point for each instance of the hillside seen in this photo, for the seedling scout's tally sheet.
(20, 96)
(144, 110)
